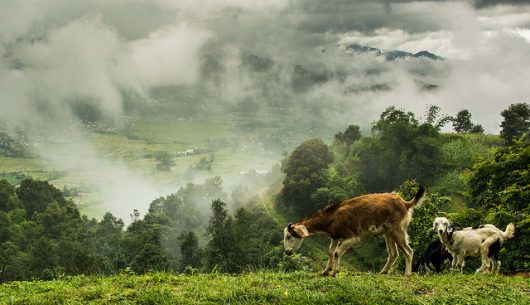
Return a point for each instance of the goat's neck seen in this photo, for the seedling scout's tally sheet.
(444, 238)
(316, 225)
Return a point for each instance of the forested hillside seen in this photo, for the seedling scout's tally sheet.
(472, 178)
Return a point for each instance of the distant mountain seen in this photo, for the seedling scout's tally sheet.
(391, 55)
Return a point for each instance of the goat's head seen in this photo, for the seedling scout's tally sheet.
(442, 226)
(292, 237)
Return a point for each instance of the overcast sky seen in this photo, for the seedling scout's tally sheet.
(54, 51)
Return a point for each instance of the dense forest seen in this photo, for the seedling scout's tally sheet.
(472, 178)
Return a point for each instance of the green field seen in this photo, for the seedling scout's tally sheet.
(136, 144)
(271, 288)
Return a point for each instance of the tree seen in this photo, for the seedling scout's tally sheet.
(35, 196)
(222, 251)
(401, 149)
(433, 117)
(503, 179)
(350, 135)
(516, 122)
(150, 257)
(501, 194)
(477, 129)
(165, 161)
(305, 172)
(462, 123)
(191, 253)
(143, 243)
(8, 199)
(108, 243)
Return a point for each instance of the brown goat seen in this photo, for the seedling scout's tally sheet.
(347, 222)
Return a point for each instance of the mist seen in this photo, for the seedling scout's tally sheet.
(259, 58)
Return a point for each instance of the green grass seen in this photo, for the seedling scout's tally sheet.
(271, 288)
(181, 131)
(136, 146)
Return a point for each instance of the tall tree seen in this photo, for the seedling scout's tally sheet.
(401, 149)
(35, 196)
(350, 135)
(222, 251)
(305, 172)
(189, 248)
(462, 122)
(516, 122)
(8, 199)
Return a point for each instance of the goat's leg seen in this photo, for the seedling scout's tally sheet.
(484, 251)
(496, 266)
(457, 258)
(462, 262)
(401, 238)
(332, 247)
(393, 253)
(339, 251)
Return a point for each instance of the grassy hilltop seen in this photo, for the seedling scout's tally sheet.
(271, 288)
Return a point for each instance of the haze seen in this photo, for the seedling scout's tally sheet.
(253, 58)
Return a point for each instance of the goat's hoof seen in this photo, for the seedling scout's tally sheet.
(324, 273)
(333, 274)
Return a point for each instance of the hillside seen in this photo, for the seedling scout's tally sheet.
(271, 288)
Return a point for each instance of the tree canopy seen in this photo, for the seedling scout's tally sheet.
(400, 149)
(305, 172)
(516, 122)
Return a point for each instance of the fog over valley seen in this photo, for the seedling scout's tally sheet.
(121, 102)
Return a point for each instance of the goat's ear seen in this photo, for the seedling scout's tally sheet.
(301, 230)
(450, 229)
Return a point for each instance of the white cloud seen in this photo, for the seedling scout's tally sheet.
(169, 56)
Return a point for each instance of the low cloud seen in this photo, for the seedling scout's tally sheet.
(56, 55)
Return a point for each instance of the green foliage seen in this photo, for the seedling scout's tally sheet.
(35, 196)
(462, 123)
(421, 225)
(165, 161)
(296, 262)
(400, 149)
(8, 198)
(516, 122)
(259, 236)
(433, 117)
(191, 253)
(350, 135)
(150, 258)
(338, 187)
(305, 173)
(222, 252)
(503, 179)
(500, 190)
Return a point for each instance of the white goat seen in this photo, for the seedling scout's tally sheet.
(484, 241)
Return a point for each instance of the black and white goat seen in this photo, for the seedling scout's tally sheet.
(484, 241)
(433, 258)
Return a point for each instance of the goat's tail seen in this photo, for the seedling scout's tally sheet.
(510, 231)
(417, 200)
